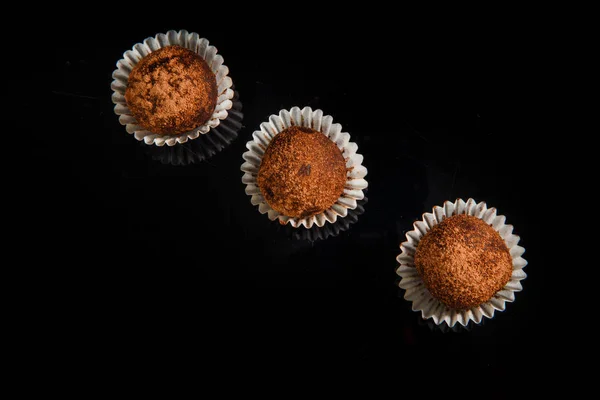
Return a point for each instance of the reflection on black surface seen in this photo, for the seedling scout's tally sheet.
(444, 328)
(328, 230)
(205, 146)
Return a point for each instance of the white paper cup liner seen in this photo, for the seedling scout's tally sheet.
(190, 41)
(356, 172)
(417, 293)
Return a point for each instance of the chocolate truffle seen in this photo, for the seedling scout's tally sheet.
(463, 261)
(172, 90)
(302, 172)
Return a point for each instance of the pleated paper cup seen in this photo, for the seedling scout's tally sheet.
(416, 292)
(306, 117)
(191, 41)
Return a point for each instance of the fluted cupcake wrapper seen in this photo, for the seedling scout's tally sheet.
(306, 117)
(190, 41)
(421, 298)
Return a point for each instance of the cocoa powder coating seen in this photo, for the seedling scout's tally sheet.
(302, 172)
(463, 261)
(172, 90)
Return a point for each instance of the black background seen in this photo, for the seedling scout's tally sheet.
(176, 259)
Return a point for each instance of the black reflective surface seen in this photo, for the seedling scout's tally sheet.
(175, 255)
